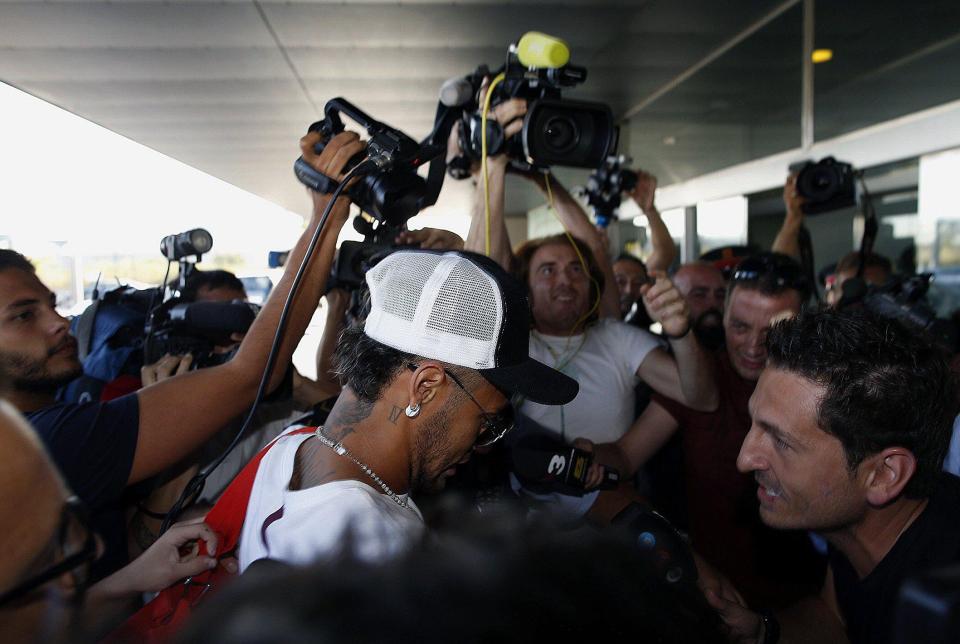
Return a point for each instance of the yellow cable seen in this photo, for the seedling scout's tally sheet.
(483, 155)
(576, 249)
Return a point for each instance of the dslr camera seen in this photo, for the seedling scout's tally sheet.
(555, 131)
(826, 185)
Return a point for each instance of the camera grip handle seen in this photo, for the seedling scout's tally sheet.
(313, 178)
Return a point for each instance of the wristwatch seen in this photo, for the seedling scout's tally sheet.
(771, 628)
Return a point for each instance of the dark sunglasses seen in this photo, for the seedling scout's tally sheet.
(77, 563)
(784, 272)
(493, 425)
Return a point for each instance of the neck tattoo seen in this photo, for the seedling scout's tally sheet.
(342, 451)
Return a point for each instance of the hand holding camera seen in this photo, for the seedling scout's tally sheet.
(332, 162)
(644, 190)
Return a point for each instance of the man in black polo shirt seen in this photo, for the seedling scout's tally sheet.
(101, 448)
(851, 421)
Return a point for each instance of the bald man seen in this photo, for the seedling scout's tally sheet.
(48, 548)
(701, 285)
(35, 513)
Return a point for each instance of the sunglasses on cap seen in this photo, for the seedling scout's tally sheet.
(493, 425)
(782, 271)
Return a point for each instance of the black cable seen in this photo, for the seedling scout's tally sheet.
(195, 487)
(147, 342)
(869, 226)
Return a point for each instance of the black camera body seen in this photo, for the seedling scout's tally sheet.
(555, 131)
(605, 186)
(394, 192)
(902, 299)
(826, 185)
(198, 328)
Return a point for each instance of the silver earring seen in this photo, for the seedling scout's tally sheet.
(413, 410)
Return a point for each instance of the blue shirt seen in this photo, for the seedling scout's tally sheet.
(93, 446)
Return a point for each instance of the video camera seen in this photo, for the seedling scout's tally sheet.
(555, 131)
(605, 186)
(125, 328)
(902, 299)
(203, 329)
(826, 185)
(389, 191)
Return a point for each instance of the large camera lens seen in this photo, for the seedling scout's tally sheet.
(826, 185)
(561, 135)
(567, 133)
(819, 183)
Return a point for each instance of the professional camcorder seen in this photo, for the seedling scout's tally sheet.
(903, 299)
(389, 190)
(826, 185)
(555, 131)
(605, 186)
(203, 329)
(126, 328)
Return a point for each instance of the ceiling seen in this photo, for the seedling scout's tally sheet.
(229, 86)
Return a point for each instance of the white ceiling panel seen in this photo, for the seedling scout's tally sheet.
(126, 25)
(447, 25)
(164, 92)
(18, 65)
(229, 86)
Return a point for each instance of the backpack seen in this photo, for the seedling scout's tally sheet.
(110, 336)
(161, 619)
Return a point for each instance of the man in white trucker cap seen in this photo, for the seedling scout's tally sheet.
(426, 379)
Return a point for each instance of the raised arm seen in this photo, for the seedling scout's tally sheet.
(663, 249)
(686, 376)
(787, 240)
(578, 224)
(179, 414)
(511, 114)
(649, 432)
(338, 300)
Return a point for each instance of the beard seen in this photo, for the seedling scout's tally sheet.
(432, 447)
(708, 328)
(34, 376)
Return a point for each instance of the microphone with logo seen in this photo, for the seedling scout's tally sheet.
(544, 464)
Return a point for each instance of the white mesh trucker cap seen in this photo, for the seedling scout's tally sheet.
(464, 309)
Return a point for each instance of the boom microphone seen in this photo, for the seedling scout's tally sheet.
(545, 464)
(456, 91)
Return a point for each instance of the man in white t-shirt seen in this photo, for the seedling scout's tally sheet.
(573, 293)
(605, 356)
(426, 379)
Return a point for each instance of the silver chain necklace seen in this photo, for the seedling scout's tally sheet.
(338, 447)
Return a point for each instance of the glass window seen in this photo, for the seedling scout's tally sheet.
(888, 59)
(744, 105)
(722, 222)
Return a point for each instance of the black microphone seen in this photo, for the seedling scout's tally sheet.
(544, 464)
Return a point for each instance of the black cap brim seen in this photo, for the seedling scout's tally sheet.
(534, 381)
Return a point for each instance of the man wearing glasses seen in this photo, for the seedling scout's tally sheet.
(427, 378)
(101, 448)
(720, 501)
(48, 548)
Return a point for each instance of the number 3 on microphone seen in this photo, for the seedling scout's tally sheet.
(557, 463)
